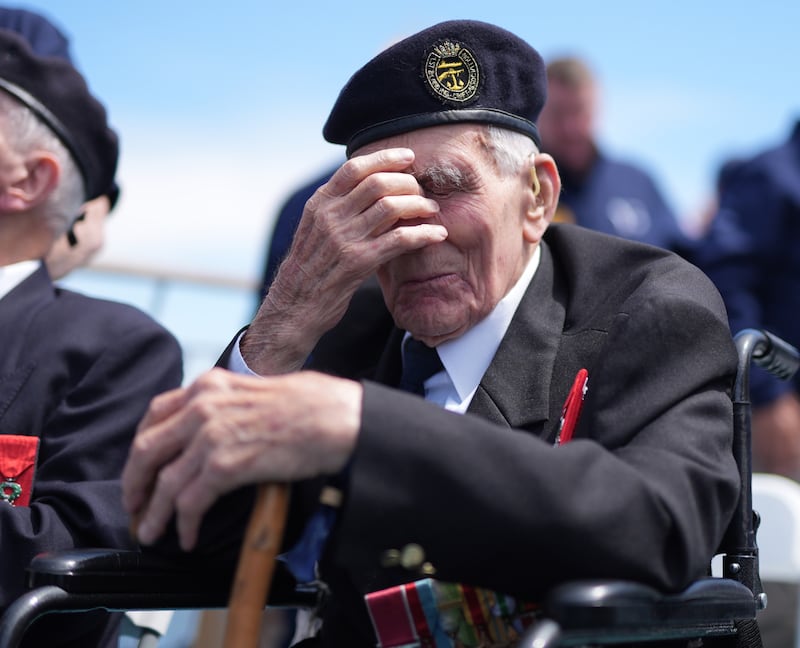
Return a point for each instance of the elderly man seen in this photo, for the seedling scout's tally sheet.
(76, 374)
(86, 235)
(446, 197)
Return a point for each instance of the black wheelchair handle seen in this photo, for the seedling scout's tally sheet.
(779, 358)
(754, 346)
(766, 350)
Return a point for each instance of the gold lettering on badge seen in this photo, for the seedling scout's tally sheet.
(451, 72)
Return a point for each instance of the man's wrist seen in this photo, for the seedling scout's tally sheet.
(276, 343)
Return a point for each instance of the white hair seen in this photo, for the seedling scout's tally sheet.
(511, 150)
(25, 133)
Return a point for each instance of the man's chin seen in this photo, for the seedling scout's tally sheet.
(431, 330)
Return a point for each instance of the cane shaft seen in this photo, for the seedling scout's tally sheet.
(256, 566)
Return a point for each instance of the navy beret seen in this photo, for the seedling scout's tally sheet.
(53, 89)
(455, 71)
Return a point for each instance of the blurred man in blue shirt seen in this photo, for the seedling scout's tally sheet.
(750, 252)
(598, 192)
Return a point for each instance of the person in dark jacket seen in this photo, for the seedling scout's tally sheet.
(76, 373)
(749, 252)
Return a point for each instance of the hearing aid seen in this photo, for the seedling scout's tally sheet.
(535, 181)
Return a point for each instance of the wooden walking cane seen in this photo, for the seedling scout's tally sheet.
(254, 572)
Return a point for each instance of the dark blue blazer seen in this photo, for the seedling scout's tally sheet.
(751, 251)
(78, 373)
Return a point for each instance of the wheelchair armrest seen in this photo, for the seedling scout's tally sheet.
(607, 612)
(80, 580)
(625, 603)
(121, 571)
(158, 581)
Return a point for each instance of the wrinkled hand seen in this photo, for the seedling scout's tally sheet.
(776, 437)
(370, 211)
(227, 430)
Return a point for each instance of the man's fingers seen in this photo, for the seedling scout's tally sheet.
(357, 168)
(192, 504)
(167, 453)
(163, 431)
(157, 441)
(171, 483)
(407, 238)
(392, 211)
(164, 405)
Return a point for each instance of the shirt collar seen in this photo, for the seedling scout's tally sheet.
(467, 357)
(13, 275)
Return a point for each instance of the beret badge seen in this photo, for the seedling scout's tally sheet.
(451, 72)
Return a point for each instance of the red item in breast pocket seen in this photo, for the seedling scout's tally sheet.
(17, 465)
(572, 407)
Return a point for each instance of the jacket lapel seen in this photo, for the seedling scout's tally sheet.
(515, 390)
(17, 309)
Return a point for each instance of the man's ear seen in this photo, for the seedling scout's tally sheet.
(545, 188)
(37, 181)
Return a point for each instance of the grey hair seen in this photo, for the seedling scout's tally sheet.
(25, 133)
(511, 150)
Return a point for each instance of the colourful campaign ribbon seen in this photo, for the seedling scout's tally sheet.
(433, 614)
(391, 618)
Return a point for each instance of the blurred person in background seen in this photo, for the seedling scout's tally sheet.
(599, 192)
(750, 252)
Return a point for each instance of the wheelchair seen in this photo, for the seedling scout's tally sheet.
(713, 611)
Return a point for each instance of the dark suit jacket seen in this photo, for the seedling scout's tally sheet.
(645, 490)
(78, 373)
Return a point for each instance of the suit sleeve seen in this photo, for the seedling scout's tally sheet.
(644, 491)
(84, 442)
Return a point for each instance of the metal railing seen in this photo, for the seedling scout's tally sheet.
(203, 311)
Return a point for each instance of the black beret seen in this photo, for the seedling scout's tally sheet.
(455, 71)
(53, 89)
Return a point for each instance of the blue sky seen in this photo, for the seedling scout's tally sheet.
(220, 106)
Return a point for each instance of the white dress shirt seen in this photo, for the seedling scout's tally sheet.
(467, 357)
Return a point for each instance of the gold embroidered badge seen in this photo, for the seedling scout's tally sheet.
(451, 72)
